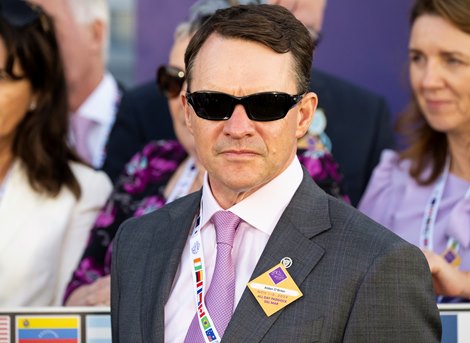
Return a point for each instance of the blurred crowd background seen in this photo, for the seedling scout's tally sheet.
(365, 41)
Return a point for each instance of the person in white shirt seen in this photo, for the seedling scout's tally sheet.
(82, 31)
(180, 274)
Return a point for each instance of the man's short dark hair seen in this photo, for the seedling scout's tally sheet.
(270, 25)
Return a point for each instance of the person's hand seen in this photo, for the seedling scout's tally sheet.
(96, 294)
(448, 280)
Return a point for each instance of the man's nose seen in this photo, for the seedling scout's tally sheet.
(239, 125)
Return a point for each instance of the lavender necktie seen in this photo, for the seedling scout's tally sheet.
(81, 127)
(221, 294)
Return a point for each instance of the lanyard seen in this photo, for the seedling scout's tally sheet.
(185, 181)
(209, 332)
(430, 214)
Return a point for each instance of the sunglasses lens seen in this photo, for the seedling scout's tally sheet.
(268, 106)
(212, 106)
(170, 80)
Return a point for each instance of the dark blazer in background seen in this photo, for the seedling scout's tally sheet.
(143, 116)
(360, 282)
(358, 124)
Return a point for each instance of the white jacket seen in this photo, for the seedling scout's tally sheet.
(43, 238)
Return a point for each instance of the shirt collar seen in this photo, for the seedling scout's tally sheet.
(263, 208)
(95, 108)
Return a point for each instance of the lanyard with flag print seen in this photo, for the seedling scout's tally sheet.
(429, 219)
(209, 332)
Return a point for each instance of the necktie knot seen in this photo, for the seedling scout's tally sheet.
(226, 224)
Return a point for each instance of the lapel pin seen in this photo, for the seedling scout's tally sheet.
(287, 262)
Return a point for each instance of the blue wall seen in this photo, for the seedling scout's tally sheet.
(364, 41)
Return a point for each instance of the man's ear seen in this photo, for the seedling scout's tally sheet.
(307, 107)
(187, 112)
(99, 32)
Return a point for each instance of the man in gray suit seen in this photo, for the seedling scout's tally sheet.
(316, 269)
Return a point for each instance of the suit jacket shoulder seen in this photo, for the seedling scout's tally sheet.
(360, 282)
(146, 255)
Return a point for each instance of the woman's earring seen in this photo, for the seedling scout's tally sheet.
(32, 105)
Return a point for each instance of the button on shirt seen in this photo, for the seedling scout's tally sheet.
(260, 213)
(100, 107)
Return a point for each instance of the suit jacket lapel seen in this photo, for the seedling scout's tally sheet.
(305, 216)
(161, 267)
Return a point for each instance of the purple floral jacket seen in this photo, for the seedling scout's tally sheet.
(139, 190)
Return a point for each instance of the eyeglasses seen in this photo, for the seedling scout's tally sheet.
(170, 80)
(266, 106)
(20, 13)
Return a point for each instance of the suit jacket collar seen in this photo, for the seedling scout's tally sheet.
(306, 216)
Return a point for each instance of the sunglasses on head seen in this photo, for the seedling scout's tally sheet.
(266, 106)
(19, 13)
(170, 80)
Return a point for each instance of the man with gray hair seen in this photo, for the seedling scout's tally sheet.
(82, 30)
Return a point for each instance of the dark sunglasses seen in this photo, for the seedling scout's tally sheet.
(19, 13)
(170, 80)
(266, 106)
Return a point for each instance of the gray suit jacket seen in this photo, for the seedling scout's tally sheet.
(361, 283)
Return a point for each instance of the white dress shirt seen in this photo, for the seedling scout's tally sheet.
(260, 213)
(100, 107)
